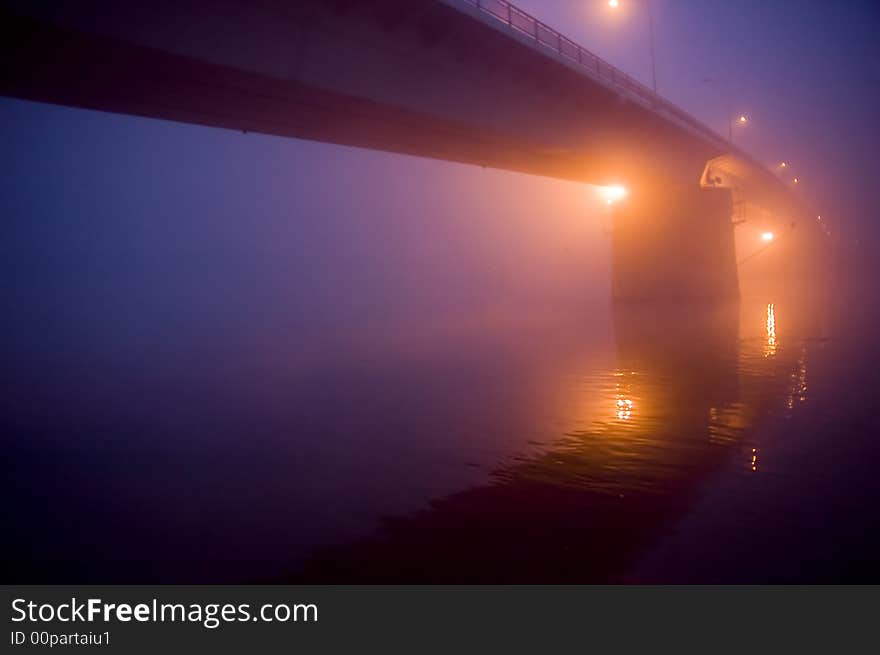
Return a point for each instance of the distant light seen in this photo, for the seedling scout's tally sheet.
(819, 218)
(767, 236)
(742, 119)
(613, 4)
(796, 180)
(783, 164)
(613, 193)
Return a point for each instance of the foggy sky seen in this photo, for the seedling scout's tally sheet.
(119, 228)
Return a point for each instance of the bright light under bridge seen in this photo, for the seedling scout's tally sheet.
(612, 193)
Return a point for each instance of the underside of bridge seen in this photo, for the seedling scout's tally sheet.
(421, 78)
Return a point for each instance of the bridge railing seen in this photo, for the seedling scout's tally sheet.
(596, 67)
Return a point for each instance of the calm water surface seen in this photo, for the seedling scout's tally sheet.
(229, 358)
(669, 443)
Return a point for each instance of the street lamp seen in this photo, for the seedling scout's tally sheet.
(739, 120)
(613, 193)
(614, 4)
(732, 118)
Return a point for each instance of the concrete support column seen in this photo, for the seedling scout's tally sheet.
(674, 244)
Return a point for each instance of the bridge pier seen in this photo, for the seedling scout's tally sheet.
(675, 243)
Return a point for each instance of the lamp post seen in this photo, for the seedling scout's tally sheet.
(614, 4)
(732, 118)
(739, 120)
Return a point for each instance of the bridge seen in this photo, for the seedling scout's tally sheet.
(473, 81)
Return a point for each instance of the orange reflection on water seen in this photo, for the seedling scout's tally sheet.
(624, 408)
(623, 401)
(771, 346)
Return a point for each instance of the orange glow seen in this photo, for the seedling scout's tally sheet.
(742, 119)
(612, 193)
(624, 405)
(767, 236)
(613, 4)
(783, 165)
(770, 349)
(796, 180)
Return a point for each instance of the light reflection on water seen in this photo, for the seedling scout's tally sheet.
(690, 388)
(771, 330)
(554, 451)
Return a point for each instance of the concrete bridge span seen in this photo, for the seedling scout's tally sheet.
(473, 82)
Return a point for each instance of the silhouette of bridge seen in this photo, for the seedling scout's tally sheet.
(473, 81)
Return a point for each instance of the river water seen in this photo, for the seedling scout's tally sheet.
(669, 443)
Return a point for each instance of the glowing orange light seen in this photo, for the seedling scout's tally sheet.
(767, 236)
(770, 349)
(613, 193)
(783, 165)
(796, 180)
(613, 4)
(742, 119)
